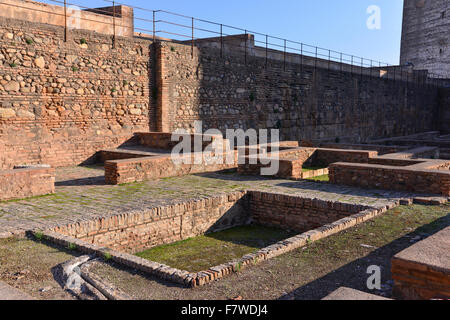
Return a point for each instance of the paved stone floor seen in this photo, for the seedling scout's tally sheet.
(81, 194)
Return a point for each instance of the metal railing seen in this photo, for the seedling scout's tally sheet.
(166, 25)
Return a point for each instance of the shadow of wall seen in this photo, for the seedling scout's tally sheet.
(229, 89)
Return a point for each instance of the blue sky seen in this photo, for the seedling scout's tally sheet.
(333, 24)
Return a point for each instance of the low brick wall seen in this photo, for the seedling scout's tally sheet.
(391, 178)
(163, 140)
(422, 271)
(314, 173)
(108, 155)
(292, 161)
(157, 167)
(325, 157)
(25, 183)
(132, 232)
(135, 232)
(296, 213)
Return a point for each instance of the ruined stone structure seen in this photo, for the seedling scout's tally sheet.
(63, 101)
(99, 20)
(426, 36)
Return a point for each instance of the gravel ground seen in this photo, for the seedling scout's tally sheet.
(308, 273)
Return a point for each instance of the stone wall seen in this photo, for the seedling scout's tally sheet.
(422, 271)
(139, 231)
(25, 183)
(425, 36)
(444, 113)
(296, 213)
(391, 178)
(157, 167)
(99, 20)
(61, 102)
(304, 102)
(292, 161)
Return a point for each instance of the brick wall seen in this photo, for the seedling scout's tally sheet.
(163, 140)
(25, 183)
(290, 162)
(325, 157)
(138, 231)
(444, 113)
(295, 213)
(422, 271)
(96, 20)
(293, 160)
(157, 167)
(391, 178)
(61, 102)
(306, 103)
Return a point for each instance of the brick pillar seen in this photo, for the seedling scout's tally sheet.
(162, 90)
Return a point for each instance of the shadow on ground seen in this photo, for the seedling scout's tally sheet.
(354, 275)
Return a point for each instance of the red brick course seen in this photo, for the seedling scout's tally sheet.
(391, 178)
(157, 167)
(25, 183)
(135, 232)
(422, 271)
(61, 102)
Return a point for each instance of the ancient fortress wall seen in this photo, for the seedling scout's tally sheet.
(99, 20)
(444, 113)
(305, 102)
(61, 102)
(426, 36)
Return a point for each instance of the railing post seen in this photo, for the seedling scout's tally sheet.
(114, 25)
(362, 66)
(267, 48)
(351, 64)
(154, 25)
(65, 20)
(315, 60)
(221, 40)
(192, 42)
(340, 59)
(284, 55)
(329, 59)
(301, 57)
(371, 66)
(246, 38)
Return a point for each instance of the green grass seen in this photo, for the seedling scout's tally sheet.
(202, 252)
(321, 178)
(306, 169)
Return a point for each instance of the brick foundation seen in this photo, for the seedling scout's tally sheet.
(391, 178)
(296, 213)
(422, 271)
(157, 167)
(25, 183)
(134, 232)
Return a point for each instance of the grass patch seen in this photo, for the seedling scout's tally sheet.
(306, 169)
(54, 195)
(202, 252)
(325, 178)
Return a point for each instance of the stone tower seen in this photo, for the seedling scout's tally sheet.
(426, 35)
